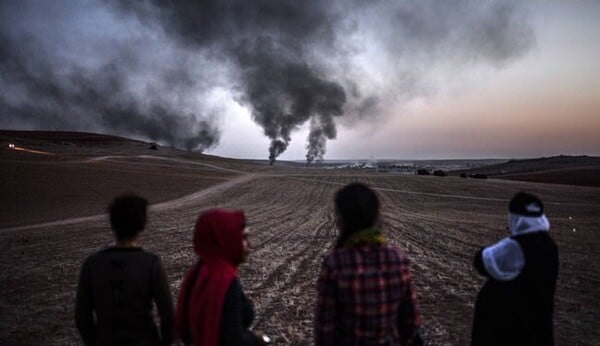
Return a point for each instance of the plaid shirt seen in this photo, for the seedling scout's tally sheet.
(366, 298)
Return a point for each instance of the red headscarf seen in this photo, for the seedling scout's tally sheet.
(219, 246)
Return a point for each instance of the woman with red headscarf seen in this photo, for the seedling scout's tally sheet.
(212, 308)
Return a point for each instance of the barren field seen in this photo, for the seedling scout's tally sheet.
(586, 176)
(567, 170)
(438, 222)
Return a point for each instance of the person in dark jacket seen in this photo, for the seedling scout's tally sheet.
(365, 293)
(118, 285)
(212, 308)
(516, 303)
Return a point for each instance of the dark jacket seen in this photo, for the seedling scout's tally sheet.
(519, 311)
(236, 317)
(119, 286)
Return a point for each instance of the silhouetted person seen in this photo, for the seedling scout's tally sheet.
(515, 305)
(212, 308)
(118, 285)
(365, 294)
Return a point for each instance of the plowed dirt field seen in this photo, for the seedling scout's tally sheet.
(438, 222)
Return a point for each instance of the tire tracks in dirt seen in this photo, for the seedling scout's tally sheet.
(176, 203)
(281, 274)
(433, 194)
(170, 159)
(292, 229)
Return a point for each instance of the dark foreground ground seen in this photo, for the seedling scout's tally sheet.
(438, 222)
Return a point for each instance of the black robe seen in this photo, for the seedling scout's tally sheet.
(519, 311)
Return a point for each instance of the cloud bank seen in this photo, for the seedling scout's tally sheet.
(150, 68)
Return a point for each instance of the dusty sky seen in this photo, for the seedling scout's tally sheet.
(338, 79)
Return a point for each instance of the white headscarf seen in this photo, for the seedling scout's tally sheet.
(519, 224)
(505, 259)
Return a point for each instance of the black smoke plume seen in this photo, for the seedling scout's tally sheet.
(290, 62)
(284, 93)
(267, 41)
(290, 55)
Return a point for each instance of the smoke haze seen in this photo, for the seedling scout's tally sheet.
(150, 68)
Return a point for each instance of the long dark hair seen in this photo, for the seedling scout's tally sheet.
(357, 206)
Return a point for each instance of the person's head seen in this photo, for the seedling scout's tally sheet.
(128, 216)
(526, 204)
(356, 208)
(526, 214)
(221, 235)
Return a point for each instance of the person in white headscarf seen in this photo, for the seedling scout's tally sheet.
(515, 305)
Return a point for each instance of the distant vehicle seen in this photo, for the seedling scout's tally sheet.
(422, 171)
(11, 146)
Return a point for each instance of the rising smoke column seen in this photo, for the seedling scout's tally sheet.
(290, 62)
(321, 129)
(294, 60)
(268, 44)
(284, 93)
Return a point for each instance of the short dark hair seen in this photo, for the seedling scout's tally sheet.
(127, 216)
(358, 207)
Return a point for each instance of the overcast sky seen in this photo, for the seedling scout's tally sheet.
(307, 80)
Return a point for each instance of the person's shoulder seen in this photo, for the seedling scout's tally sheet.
(125, 250)
(116, 252)
(88, 261)
(331, 257)
(394, 254)
(148, 254)
(235, 285)
(92, 260)
(149, 257)
(235, 290)
(335, 257)
(504, 260)
(540, 237)
(97, 256)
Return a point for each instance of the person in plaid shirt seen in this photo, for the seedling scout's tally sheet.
(365, 294)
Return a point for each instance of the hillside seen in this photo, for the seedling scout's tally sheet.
(66, 143)
(568, 170)
(52, 175)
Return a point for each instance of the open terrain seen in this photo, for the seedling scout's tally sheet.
(51, 219)
(568, 170)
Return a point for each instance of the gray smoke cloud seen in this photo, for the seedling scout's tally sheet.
(268, 43)
(107, 90)
(285, 93)
(290, 62)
